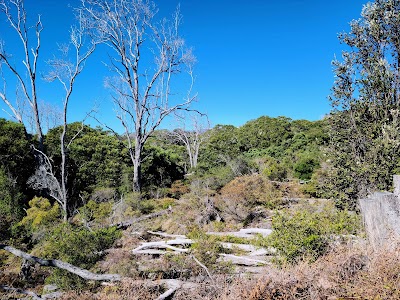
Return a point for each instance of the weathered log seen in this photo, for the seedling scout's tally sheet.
(244, 233)
(242, 260)
(173, 285)
(164, 245)
(20, 291)
(262, 231)
(254, 251)
(142, 250)
(61, 265)
(154, 247)
(152, 252)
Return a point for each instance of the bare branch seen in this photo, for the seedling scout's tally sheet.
(193, 137)
(17, 18)
(144, 91)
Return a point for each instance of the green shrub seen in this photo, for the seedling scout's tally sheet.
(96, 211)
(11, 204)
(305, 166)
(304, 234)
(164, 203)
(40, 215)
(273, 169)
(206, 249)
(77, 246)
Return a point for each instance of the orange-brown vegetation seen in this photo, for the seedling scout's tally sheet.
(346, 272)
(245, 197)
(350, 271)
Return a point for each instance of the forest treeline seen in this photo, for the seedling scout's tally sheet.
(280, 149)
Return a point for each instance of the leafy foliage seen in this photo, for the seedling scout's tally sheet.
(364, 123)
(95, 158)
(11, 204)
(16, 165)
(41, 214)
(15, 155)
(305, 233)
(161, 168)
(96, 211)
(78, 246)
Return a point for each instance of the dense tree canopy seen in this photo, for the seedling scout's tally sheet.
(365, 118)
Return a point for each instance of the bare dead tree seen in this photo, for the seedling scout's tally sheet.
(50, 115)
(191, 136)
(16, 16)
(65, 71)
(147, 56)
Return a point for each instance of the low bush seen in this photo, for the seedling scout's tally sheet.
(206, 249)
(77, 246)
(305, 233)
(41, 216)
(95, 211)
(238, 199)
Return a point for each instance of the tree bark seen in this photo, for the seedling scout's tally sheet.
(137, 167)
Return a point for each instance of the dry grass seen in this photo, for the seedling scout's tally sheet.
(346, 272)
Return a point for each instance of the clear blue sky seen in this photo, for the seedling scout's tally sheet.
(256, 57)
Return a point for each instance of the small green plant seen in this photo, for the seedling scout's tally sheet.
(304, 234)
(206, 248)
(164, 203)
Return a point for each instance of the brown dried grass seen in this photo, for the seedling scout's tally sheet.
(346, 272)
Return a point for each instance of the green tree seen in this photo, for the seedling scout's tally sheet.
(11, 204)
(16, 165)
(161, 167)
(364, 122)
(264, 132)
(306, 165)
(223, 142)
(96, 159)
(15, 156)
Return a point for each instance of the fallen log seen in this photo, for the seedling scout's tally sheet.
(163, 245)
(85, 274)
(244, 233)
(21, 291)
(242, 260)
(254, 251)
(173, 285)
(263, 231)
